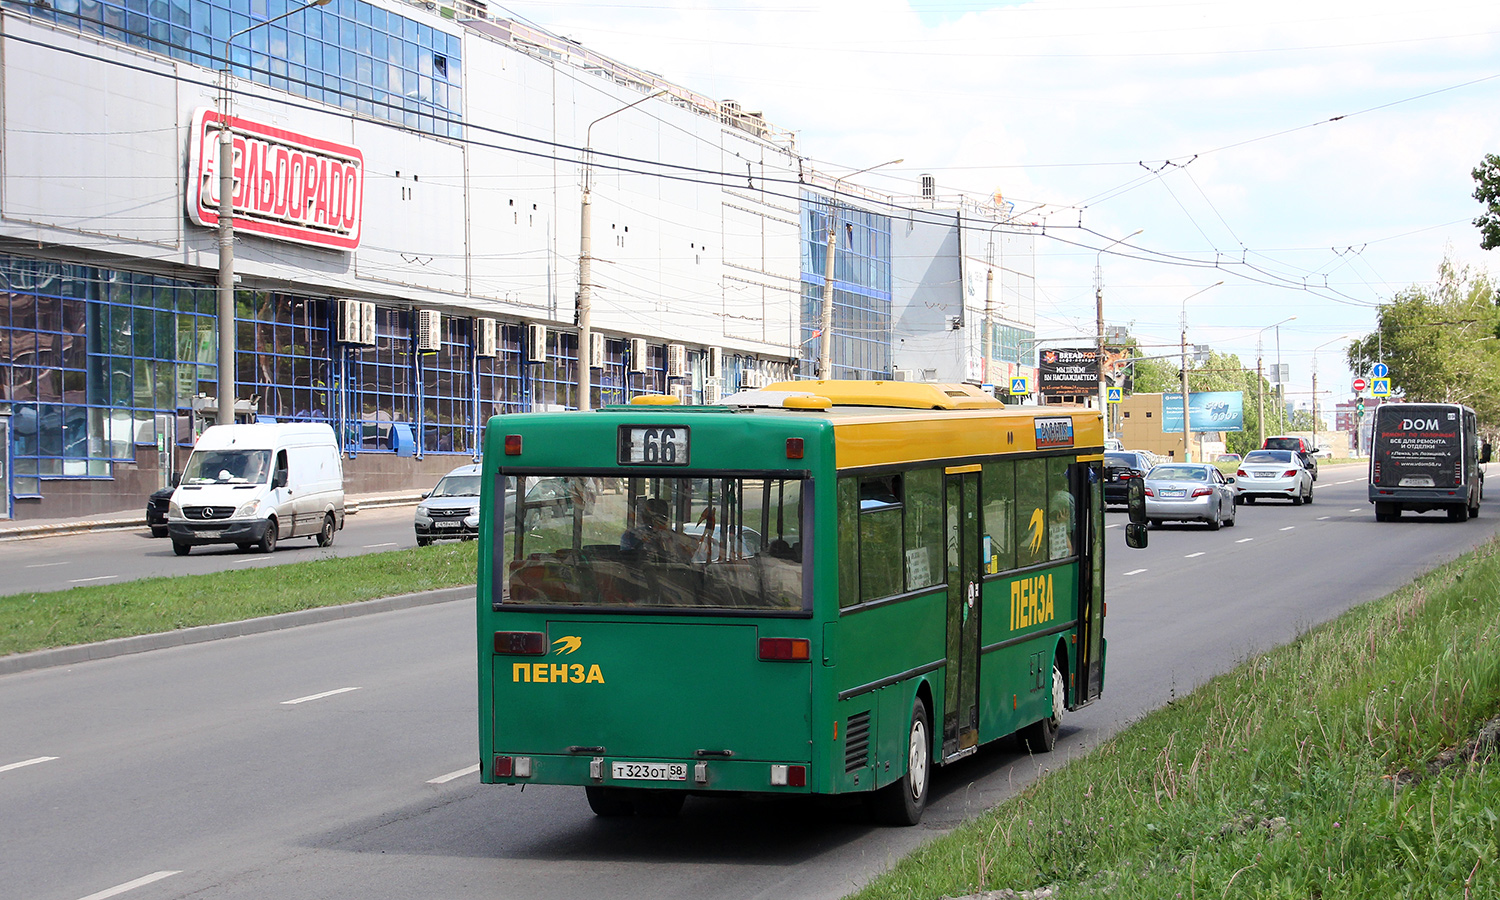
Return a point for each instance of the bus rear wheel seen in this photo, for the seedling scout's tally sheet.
(608, 802)
(1041, 737)
(902, 801)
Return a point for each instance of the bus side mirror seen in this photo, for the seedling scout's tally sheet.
(1484, 453)
(1135, 536)
(1135, 501)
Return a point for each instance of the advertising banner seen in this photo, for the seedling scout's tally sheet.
(1211, 411)
(1068, 370)
(286, 185)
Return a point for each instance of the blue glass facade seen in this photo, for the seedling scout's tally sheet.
(351, 54)
(861, 289)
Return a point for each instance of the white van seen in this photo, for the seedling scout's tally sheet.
(252, 485)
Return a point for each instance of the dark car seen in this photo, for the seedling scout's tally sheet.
(1300, 446)
(450, 510)
(1119, 467)
(156, 509)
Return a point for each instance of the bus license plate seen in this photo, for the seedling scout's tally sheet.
(641, 771)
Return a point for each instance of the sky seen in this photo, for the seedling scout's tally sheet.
(1278, 159)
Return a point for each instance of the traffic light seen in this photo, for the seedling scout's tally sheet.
(1359, 407)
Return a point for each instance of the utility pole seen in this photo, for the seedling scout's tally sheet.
(825, 324)
(1099, 323)
(1187, 451)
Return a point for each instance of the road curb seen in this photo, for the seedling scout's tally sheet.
(141, 643)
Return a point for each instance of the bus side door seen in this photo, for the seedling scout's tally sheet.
(961, 691)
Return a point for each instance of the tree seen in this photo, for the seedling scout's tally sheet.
(1440, 342)
(1487, 177)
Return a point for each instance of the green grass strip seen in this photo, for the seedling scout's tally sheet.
(1322, 769)
(82, 615)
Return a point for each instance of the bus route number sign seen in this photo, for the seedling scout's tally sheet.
(1054, 432)
(653, 445)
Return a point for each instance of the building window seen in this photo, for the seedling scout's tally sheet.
(448, 391)
(383, 380)
(282, 355)
(861, 289)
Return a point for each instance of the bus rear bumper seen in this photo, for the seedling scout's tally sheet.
(715, 774)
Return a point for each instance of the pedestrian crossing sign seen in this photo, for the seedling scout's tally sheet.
(1113, 395)
(1020, 385)
(1380, 387)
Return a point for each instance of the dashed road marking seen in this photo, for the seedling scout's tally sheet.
(49, 565)
(1244, 540)
(390, 543)
(318, 696)
(1321, 518)
(444, 779)
(27, 762)
(1289, 528)
(1192, 555)
(95, 578)
(1135, 572)
(131, 885)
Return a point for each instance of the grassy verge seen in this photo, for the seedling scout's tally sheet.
(82, 615)
(1340, 766)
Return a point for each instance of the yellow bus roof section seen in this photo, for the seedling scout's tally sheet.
(897, 394)
(935, 435)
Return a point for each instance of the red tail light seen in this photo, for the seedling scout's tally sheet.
(794, 448)
(785, 649)
(520, 643)
(1202, 492)
(512, 445)
(1150, 493)
(1289, 473)
(1241, 474)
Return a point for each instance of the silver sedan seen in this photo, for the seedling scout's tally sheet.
(1189, 492)
(1274, 473)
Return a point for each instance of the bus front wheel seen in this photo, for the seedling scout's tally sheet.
(902, 801)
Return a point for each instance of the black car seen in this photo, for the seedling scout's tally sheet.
(1119, 467)
(1301, 446)
(156, 509)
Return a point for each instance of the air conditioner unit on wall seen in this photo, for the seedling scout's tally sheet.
(715, 362)
(536, 343)
(485, 339)
(676, 361)
(639, 356)
(350, 322)
(751, 379)
(429, 330)
(596, 350)
(680, 391)
(904, 375)
(367, 324)
(710, 392)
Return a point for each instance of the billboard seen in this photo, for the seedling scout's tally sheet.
(1210, 411)
(1066, 371)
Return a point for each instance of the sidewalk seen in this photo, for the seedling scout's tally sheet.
(39, 528)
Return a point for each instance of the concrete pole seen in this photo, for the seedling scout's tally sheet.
(1187, 447)
(226, 263)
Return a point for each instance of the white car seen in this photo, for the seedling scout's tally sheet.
(1189, 492)
(1274, 473)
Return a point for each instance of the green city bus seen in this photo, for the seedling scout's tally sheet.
(820, 587)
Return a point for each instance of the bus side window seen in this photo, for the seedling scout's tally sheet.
(880, 539)
(1031, 511)
(924, 529)
(1060, 518)
(998, 495)
(848, 504)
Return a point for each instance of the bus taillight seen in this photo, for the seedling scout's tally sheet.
(512, 767)
(521, 643)
(789, 776)
(785, 649)
(794, 448)
(512, 445)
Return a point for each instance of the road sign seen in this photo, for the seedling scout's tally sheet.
(1380, 370)
(1113, 395)
(1360, 384)
(1020, 385)
(1380, 387)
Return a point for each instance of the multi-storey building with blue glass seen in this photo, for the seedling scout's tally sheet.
(407, 240)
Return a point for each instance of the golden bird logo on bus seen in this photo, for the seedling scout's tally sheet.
(568, 644)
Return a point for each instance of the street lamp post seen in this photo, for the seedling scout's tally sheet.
(226, 226)
(585, 302)
(1099, 323)
(825, 324)
(1187, 431)
(1260, 393)
(1315, 350)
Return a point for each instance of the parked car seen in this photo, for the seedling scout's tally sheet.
(1275, 473)
(451, 508)
(1301, 446)
(1119, 468)
(1190, 492)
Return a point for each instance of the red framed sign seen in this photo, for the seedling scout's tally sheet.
(286, 185)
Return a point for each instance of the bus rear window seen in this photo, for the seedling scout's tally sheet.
(652, 543)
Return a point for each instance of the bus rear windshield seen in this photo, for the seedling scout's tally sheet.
(1417, 446)
(652, 543)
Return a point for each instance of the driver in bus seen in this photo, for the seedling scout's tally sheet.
(652, 534)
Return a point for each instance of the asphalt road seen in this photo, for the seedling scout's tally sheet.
(106, 557)
(336, 760)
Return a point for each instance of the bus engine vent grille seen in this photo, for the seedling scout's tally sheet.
(857, 742)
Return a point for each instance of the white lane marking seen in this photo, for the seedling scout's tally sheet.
(265, 559)
(69, 562)
(1289, 527)
(318, 696)
(95, 578)
(1351, 481)
(1135, 572)
(27, 762)
(1117, 524)
(1191, 555)
(1320, 518)
(131, 885)
(393, 543)
(444, 779)
(1244, 540)
(1352, 510)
